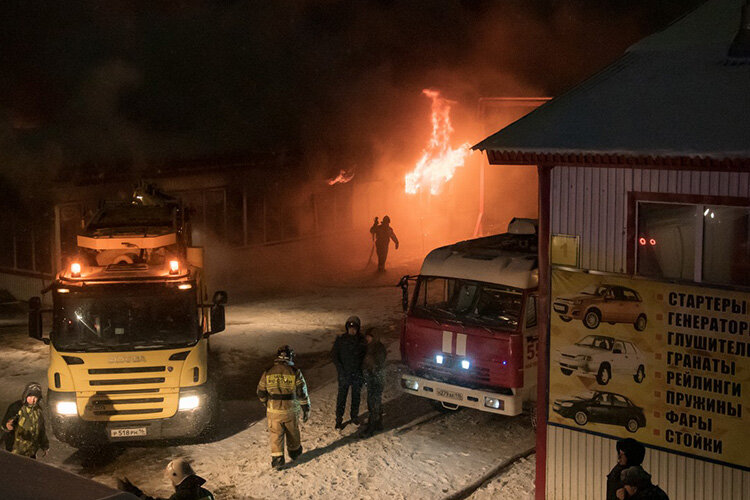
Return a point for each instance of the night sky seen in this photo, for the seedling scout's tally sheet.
(314, 83)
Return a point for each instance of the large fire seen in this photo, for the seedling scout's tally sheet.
(439, 160)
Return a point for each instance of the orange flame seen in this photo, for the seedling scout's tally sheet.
(439, 161)
(343, 177)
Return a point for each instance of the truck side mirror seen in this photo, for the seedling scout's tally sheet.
(218, 322)
(35, 318)
(220, 297)
(404, 284)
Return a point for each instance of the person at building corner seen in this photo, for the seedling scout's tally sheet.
(638, 486)
(347, 354)
(283, 390)
(383, 234)
(23, 424)
(630, 453)
(373, 369)
(187, 484)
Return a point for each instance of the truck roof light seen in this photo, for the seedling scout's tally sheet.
(75, 270)
(174, 266)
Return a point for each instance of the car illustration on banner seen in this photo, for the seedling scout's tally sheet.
(602, 407)
(602, 357)
(602, 303)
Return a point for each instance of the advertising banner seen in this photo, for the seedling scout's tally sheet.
(663, 363)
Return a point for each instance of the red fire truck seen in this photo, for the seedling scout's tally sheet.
(469, 337)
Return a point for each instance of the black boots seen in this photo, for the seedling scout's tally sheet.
(278, 462)
(339, 424)
(293, 454)
(355, 420)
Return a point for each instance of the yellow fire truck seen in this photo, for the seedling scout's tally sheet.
(130, 328)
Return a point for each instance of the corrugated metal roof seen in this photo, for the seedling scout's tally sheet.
(675, 94)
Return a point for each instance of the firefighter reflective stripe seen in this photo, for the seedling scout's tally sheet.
(281, 380)
(282, 411)
(447, 341)
(460, 344)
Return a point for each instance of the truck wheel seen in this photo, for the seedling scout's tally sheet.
(566, 319)
(604, 374)
(581, 417)
(640, 323)
(632, 425)
(640, 374)
(566, 371)
(592, 319)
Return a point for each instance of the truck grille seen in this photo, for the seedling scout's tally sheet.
(135, 369)
(124, 381)
(451, 369)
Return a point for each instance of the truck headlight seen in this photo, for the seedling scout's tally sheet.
(66, 408)
(493, 403)
(189, 402)
(465, 364)
(412, 385)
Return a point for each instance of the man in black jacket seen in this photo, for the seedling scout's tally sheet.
(630, 453)
(187, 484)
(347, 354)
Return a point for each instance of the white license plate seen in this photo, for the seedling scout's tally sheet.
(448, 394)
(121, 433)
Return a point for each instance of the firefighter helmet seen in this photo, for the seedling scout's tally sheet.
(386, 220)
(285, 352)
(178, 469)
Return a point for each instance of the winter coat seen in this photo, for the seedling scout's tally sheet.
(283, 389)
(10, 414)
(347, 354)
(635, 452)
(614, 482)
(31, 435)
(189, 489)
(373, 364)
(651, 492)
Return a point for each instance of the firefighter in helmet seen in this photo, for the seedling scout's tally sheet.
(283, 390)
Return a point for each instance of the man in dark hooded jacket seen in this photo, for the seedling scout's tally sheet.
(187, 484)
(23, 425)
(373, 368)
(630, 453)
(347, 354)
(638, 485)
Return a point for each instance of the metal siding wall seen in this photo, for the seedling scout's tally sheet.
(582, 461)
(592, 203)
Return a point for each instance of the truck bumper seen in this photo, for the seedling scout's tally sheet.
(77, 432)
(456, 395)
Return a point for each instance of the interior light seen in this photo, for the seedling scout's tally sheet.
(174, 266)
(75, 269)
(642, 240)
(63, 290)
(439, 359)
(465, 364)
(185, 286)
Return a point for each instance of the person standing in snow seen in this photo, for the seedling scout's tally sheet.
(24, 424)
(187, 484)
(283, 390)
(373, 368)
(630, 453)
(347, 354)
(383, 234)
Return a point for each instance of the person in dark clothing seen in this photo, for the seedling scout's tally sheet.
(638, 485)
(187, 484)
(383, 234)
(630, 453)
(347, 354)
(373, 369)
(23, 425)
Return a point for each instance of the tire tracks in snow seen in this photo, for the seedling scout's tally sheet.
(467, 490)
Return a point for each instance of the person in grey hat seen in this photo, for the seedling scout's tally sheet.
(638, 486)
(187, 484)
(347, 354)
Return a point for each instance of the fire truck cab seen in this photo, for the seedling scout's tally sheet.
(469, 337)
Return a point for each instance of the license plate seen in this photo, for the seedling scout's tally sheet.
(121, 433)
(451, 395)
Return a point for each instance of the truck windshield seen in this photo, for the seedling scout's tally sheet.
(125, 318)
(470, 302)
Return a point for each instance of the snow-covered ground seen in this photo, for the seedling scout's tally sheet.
(432, 459)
